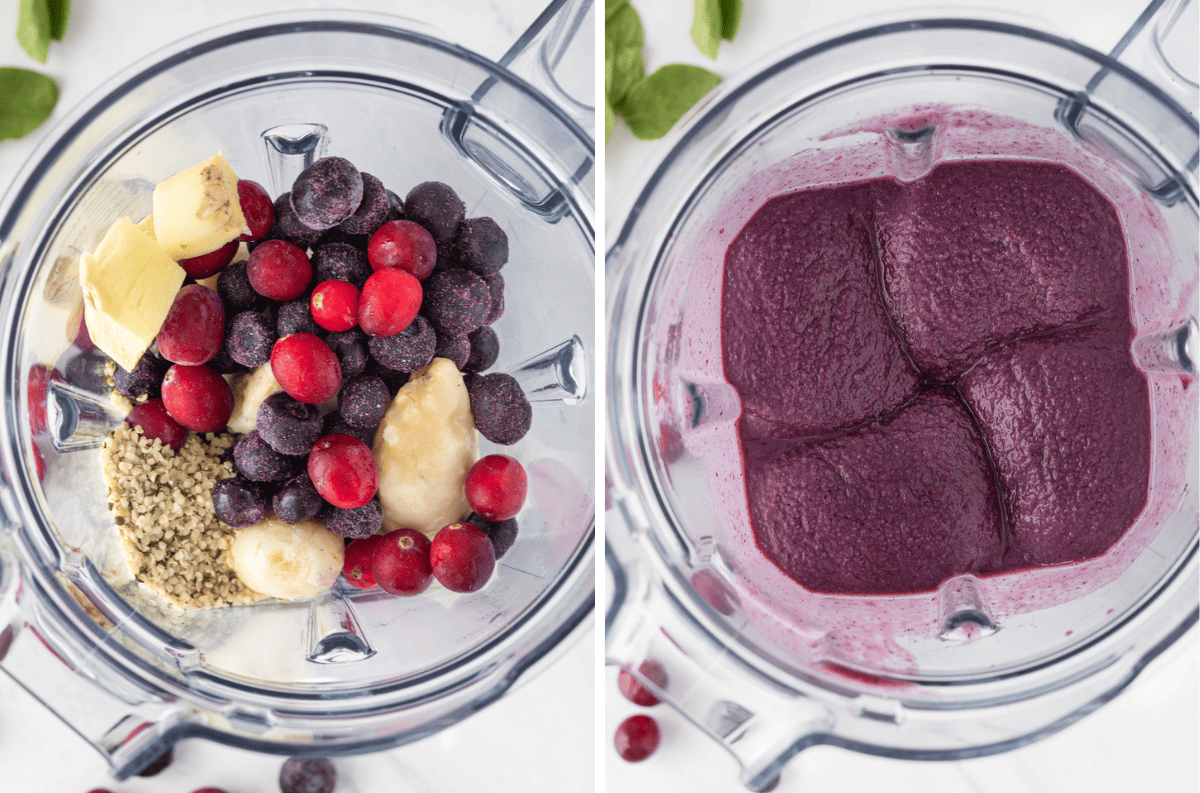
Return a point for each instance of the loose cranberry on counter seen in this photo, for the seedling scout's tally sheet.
(634, 691)
(156, 422)
(279, 270)
(334, 305)
(194, 328)
(636, 738)
(357, 569)
(495, 487)
(343, 470)
(307, 775)
(158, 765)
(197, 397)
(389, 302)
(462, 557)
(401, 562)
(405, 245)
(257, 208)
(306, 368)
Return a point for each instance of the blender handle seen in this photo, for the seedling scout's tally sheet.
(1153, 43)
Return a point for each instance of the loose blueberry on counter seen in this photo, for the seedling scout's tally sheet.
(485, 349)
(341, 261)
(307, 775)
(408, 350)
(258, 462)
(287, 425)
(297, 500)
(502, 413)
(437, 207)
(481, 245)
(327, 192)
(373, 210)
(249, 338)
(239, 502)
(456, 301)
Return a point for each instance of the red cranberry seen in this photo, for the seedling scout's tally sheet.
(39, 385)
(637, 738)
(194, 328)
(634, 691)
(208, 790)
(307, 775)
(335, 305)
(495, 487)
(357, 569)
(39, 461)
(279, 270)
(462, 557)
(401, 562)
(156, 422)
(197, 397)
(83, 338)
(210, 263)
(389, 302)
(257, 208)
(343, 470)
(403, 244)
(158, 765)
(306, 368)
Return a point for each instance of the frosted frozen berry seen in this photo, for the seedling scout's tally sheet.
(327, 192)
(336, 425)
(405, 245)
(495, 285)
(341, 261)
(295, 316)
(297, 500)
(632, 689)
(258, 462)
(288, 425)
(636, 738)
(222, 362)
(502, 533)
(462, 557)
(233, 285)
(194, 328)
(343, 470)
(502, 413)
(306, 368)
(88, 371)
(456, 301)
(373, 210)
(307, 775)
(256, 208)
(397, 204)
(453, 348)
(288, 226)
(279, 270)
(436, 207)
(392, 378)
(357, 566)
(481, 245)
(364, 400)
(336, 235)
(197, 397)
(158, 765)
(250, 337)
(355, 522)
(495, 486)
(485, 349)
(156, 422)
(210, 263)
(389, 302)
(238, 502)
(334, 305)
(408, 350)
(145, 378)
(351, 349)
(401, 563)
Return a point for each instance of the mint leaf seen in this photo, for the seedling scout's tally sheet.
(33, 29)
(608, 119)
(26, 99)
(706, 26)
(731, 18)
(611, 7)
(60, 11)
(654, 103)
(624, 33)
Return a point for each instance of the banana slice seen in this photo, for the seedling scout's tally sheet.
(287, 561)
(197, 210)
(249, 391)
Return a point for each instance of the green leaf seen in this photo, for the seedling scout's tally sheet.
(624, 32)
(706, 26)
(608, 119)
(731, 18)
(33, 29)
(611, 7)
(26, 99)
(657, 101)
(60, 11)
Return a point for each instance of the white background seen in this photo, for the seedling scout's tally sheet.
(539, 738)
(1146, 740)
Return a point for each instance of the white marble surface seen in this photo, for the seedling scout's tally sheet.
(1145, 740)
(537, 738)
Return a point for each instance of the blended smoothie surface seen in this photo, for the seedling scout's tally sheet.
(935, 377)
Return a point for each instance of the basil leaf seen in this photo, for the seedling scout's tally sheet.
(654, 103)
(706, 26)
(624, 32)
(611, 7)
(26, 99)
(60, 11)
(731, 18)
(608, 119)
(33, 29)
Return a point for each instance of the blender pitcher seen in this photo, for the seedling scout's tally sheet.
(349, 671)
(984, 663)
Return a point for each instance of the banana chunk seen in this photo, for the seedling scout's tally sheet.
(287, 561)
(197, 210)
(249, 391)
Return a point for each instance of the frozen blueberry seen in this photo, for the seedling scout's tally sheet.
(295, 316)
(350, 346)
(307, 775)
(341, 261)
(334, 423)
(373, 211)
(502, 533)
(238, 502)
(453, 348)
(89, 371)
(258, 462)
(223, 363)
(336, 234)
(288, 426)
(145, 377)
(297, 500)
(392, 378)
(233, 285)
(249, 338)
(495, 285)
(485, 349)
(456, 301)
(397, 206)
(481, 245)
(408, 350)
(288, 225)
(364, 400)
(502, 413)
(358, 522)
(327, 192)
(436, 207)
